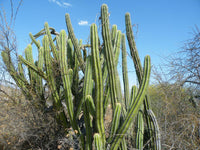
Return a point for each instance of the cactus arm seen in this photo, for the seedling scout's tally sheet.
(43, 32)
(88, 78)
(116, 36)
(70, 54)
(75, 91)
(116, 54)
(33, 67)
(98, 82)
(70, 72)
(106, 98)
(49, 71)
(66, 84)
(135, 107)
(29, 58)
(65, 76)
(53, 47)
(156, 131)
(20, 70)
(36, 71)
(90, 105)
(88, 124)
(105, 72)
(57, 42)
(140, 130)
(87, 84)
(150, 125)
(75, 42)
(113, 34)
(97, 142)
(116, 47)
(123, 145)
(109, 53)
(40, 67)
(21, 82)
(125, 72)
(138, 67)
(51, 80)
(87, 100)
(9, 65)
(134, 91)
(133, 49)
(115, 122)
(75, 86)
(34, 40)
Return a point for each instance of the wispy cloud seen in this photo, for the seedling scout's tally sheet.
(83, 23)
(67, 4)
(61, 3)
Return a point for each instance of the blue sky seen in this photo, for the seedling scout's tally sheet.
(161, 26)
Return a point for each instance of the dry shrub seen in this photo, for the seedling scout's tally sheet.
(178, 118)
(23, 126)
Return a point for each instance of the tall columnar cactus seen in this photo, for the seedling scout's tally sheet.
(109, 54)
(135, 106)
(86, 82)
(74, 41)
(125, 72)
(139, 72)
(98, 83)
(140, 131)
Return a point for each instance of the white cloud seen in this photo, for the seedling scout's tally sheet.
(58, 3)
(83, 23)
(66, 4)
(61, 3)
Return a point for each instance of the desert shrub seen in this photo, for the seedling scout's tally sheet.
(178, 118)
(23, 126)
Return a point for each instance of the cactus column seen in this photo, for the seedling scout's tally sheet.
(98, 83)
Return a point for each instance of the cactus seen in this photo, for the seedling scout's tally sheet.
(140, 130)
(97, 142)
(115, 122)
(88, 83)
(98, 83)
(139, 73)
(135, 106)
(74, 41)
(109, 54)
(156, 131)
(125, 73)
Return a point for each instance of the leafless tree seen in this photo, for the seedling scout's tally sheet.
(185, 65)
(8, 37)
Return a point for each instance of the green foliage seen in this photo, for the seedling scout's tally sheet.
(60, 64)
